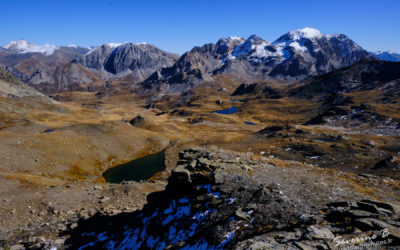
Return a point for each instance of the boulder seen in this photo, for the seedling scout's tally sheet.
(367, 207)
(137, 121)
(319, 233)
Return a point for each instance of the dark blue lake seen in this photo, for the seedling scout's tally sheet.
(249, 123)
(136, 170)
(326, 139)
(228, 111)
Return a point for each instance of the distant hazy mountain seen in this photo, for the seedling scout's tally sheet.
(118, 60)
(387, 55)
(53, 68)
(22, 46)
(47, 67)
(294, 56)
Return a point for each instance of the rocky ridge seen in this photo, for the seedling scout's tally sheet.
(368, 74)
(12, 87)
(220, 200)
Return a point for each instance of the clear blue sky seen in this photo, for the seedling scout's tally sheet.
(178, 25)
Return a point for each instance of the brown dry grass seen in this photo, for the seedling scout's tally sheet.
(91, 133)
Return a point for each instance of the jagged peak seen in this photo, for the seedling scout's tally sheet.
(236, 38)
(254, 39)
(337, 36)
(306, 32)
(254, 44)
(225, 45)
(231, 39)
(113, 45)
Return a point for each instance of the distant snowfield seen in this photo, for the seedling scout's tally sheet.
(22, 46)
(307, 32)
(387, 55)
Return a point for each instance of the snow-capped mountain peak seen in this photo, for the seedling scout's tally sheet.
(254, 45)
(225, 46)
(255, 40)
(309, 33)
(230, 42)
(22, 46)
(304, 42)
(114, 45)
(236, 38)
(300, 34)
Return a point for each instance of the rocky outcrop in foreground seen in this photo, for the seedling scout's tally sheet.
(219, 200)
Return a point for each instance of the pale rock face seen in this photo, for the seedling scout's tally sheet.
(254, 46)
(309, 33)
(225, 46)
(120, 59)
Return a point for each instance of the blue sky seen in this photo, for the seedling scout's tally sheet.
(178, 25)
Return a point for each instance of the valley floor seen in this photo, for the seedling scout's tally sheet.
(52, 156)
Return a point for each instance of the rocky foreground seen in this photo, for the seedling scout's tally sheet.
(220, 200)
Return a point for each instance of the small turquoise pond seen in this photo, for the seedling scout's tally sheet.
(136, 170)
(228, 111)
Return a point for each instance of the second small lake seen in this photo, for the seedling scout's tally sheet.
(136, 170)
(229, 111)
(327, 139)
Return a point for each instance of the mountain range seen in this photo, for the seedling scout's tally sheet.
(387, 55)
(292, 57)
